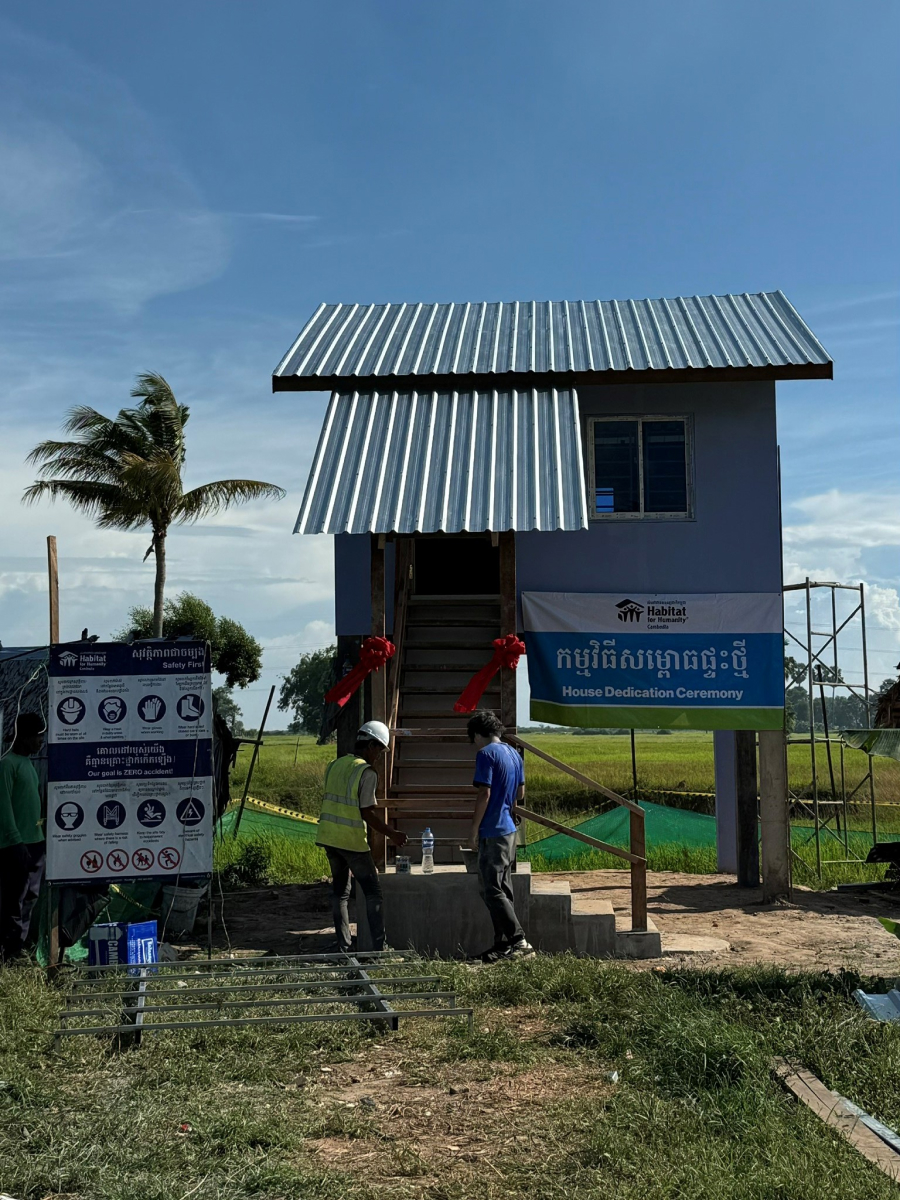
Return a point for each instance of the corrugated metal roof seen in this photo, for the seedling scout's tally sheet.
(759, 333)
(406, 462)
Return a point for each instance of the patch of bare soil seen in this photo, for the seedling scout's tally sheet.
(815, 931)
(450, 1125)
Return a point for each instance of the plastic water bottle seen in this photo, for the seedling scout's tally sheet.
(427, 852)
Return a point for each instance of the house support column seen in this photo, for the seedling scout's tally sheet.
(507, 548)
(378, 680)
(747, 808)
(774, 816)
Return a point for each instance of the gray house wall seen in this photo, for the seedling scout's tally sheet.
(730, 544)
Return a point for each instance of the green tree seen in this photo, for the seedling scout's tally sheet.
(304, 688)
(234, 652)
(227, 708)
(126, 473)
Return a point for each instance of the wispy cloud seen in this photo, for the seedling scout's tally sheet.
(78, 161)
(275, 218)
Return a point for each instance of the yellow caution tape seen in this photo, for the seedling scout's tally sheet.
(274, 808)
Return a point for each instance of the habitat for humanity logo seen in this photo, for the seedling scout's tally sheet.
(67, 659)
(629, 610)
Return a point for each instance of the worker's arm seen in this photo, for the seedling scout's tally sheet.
(520, 796)
(372, 819)
(482, 798)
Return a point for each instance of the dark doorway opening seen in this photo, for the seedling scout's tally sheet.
(456, 566)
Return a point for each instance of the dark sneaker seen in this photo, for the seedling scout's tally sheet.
(494, 955)
(520, 949)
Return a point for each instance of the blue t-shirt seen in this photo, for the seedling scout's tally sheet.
(500, 768)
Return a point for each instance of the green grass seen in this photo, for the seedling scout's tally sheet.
(277, 860)
(234, 1114)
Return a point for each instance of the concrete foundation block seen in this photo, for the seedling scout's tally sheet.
(441, 913)
(641, 944)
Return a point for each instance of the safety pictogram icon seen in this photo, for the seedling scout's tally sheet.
(169, 858)
(91, 862)
(190, 811)
(117, 860)
(142, 860)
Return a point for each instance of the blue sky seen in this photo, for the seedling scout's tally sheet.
(181, 185)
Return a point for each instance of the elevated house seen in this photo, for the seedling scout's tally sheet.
(600, 477)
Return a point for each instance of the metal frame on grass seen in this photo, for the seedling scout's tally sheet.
(343, 983)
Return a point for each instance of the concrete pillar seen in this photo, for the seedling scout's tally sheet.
(774, 815)
(726, 802)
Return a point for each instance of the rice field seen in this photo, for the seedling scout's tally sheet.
(675, 769)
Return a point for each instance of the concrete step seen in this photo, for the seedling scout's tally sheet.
(549, 924)
(593, 926)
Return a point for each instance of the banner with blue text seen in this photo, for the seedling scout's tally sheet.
(129, 762)
(687, 661)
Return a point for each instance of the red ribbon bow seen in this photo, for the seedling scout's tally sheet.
(507, 652)
(373, 654)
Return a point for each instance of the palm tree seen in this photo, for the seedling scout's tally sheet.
(126, 473)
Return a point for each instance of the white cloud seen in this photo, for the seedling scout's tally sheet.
(93, 204)
(834, 531)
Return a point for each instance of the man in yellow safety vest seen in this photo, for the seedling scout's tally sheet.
(348, 810)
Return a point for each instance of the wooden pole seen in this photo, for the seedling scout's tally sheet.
(507, 549)
(256, 746)
(53, 952)
(634, 795)
(774, 817)
(638, 847)
(53, 579)
(379, 689)
(747, 810)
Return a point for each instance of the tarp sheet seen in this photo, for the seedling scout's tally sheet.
(883, 742)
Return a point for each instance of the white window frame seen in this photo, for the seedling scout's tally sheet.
(688, 466)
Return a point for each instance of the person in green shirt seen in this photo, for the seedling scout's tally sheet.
(21, 835)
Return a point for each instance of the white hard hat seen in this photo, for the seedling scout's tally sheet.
(376, 732)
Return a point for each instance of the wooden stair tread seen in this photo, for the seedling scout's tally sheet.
(429, 789)
(417, 598)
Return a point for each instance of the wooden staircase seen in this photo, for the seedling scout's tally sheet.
(446, 639)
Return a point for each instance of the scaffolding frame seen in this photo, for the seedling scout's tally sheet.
(821, 656)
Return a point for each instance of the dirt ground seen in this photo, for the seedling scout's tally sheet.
(702, 919)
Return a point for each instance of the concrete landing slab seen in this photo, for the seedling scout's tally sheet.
(673, 943)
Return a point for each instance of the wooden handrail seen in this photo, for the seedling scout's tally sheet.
(579, 837)
(636, 831)
(515, 740)
(401, 604)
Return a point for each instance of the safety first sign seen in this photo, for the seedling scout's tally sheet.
(129, 762)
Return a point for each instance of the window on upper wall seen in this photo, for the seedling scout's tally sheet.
(640, 466)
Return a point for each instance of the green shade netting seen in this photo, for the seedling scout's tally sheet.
(260, 823)
(666, 827)
(663, 826)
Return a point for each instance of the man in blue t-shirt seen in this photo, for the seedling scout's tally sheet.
(500, 780)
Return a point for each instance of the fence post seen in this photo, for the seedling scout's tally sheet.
(637, 845)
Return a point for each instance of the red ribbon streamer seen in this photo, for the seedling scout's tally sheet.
(373, 654)
(507, 652)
